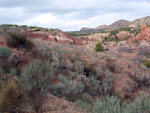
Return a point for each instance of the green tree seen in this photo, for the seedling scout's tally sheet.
(99, 47)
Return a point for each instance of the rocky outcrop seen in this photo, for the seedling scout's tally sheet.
(98, 36)
(56, 36)
(122, 35)
(144, 34)
(81, 41)
(59, 37)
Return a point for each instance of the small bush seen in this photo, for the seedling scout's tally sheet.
(107, 83)
(114, 32)
(42, 52)
(36, 78)
(99, 47)
(17, 40)
(12, 97)
(13, 71)
(140, 105)
(93, 86)
(111, 38)
(5, 51)
(86, 97)
(110, 105)
(116, 39)
(8, 70)
(83, 106)
(67, 88)
(115, 105)
(146, 63)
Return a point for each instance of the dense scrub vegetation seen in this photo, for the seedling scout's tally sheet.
(78, 34)
(131, 30)
(115, 105)
(24, 82)
(113, 34)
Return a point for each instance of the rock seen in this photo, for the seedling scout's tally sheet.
(122, 35)
(144, 34)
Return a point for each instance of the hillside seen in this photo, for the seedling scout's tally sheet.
(48, 71)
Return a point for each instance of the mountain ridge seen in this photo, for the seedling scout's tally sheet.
(121, 24)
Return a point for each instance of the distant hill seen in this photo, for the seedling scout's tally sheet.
(144, 20)
(119, 24)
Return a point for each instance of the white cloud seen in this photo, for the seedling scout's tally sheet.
(71, 15)
(68, 23)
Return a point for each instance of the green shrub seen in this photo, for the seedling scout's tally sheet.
(125, 29)
(25, 26)
(110, 105)
(107, 83)
(99, 83)
(114, 32)
(140, 105)
(83, 106)
(146, 63)
(127, 38)
(67, 88)
(5, 51)
(99, 47)
(8, 70)
(115, 105)
(116, 39)
(42, 52)
(93, 86)
(36, 78)
(17, 40)
(12, 97)
(13, 71)
(77, 34)
(86, 97)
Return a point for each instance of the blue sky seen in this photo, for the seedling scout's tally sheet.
(71, 14)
